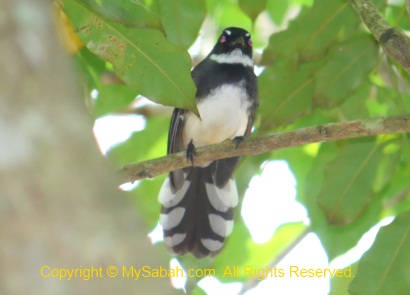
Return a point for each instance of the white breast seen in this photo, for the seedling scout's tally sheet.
(224, 114)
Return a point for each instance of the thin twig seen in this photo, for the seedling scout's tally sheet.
(262, 144)
(401, 196)
(252, 283)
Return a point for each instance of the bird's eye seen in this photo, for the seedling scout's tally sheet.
(223, 39)
(250, 42)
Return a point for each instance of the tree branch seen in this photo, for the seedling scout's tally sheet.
(394, 42)
(262, 144)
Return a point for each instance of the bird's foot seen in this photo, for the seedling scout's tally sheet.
(237, 140)
(190, 152)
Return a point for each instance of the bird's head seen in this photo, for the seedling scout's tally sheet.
(234, 38)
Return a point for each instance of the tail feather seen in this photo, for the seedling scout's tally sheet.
(198, 216)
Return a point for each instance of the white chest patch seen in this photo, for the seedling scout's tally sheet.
(224, 114)
(235, 57)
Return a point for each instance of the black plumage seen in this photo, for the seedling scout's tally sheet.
(197, 212)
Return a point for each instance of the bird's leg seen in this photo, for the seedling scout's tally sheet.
(237, 140)
(190, 152)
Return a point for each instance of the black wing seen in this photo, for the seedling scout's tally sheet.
(175, 145)
(175, 131)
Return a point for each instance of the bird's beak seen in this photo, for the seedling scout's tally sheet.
(238, 41)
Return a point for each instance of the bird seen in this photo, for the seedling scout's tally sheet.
(197, 201)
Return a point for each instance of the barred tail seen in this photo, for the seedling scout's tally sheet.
(198, 215)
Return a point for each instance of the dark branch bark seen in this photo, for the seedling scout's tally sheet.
(270, 142)
(394, 42)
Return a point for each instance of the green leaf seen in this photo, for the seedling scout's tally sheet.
(300, 163)
(349, 180)
(144, 197)
(355, 107)
(143, 145)
(258, 255)
(397, 17)
(182, 20)
(277, 10)
(348, 65)
(339, 285)
(235, 251)
(198, 291)
(283, 237)
(285, 93)
(309, 35)
(389, 101)
(141, 57)
(396, 195)
(392, 149)
(385, 268)
(91, 68)
(303, 2)
(226, 13)
(112, 98)
(335, 239)
(252, 8)
(130, 13)
(246, 169)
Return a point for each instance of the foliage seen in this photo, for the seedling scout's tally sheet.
(320, 65)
